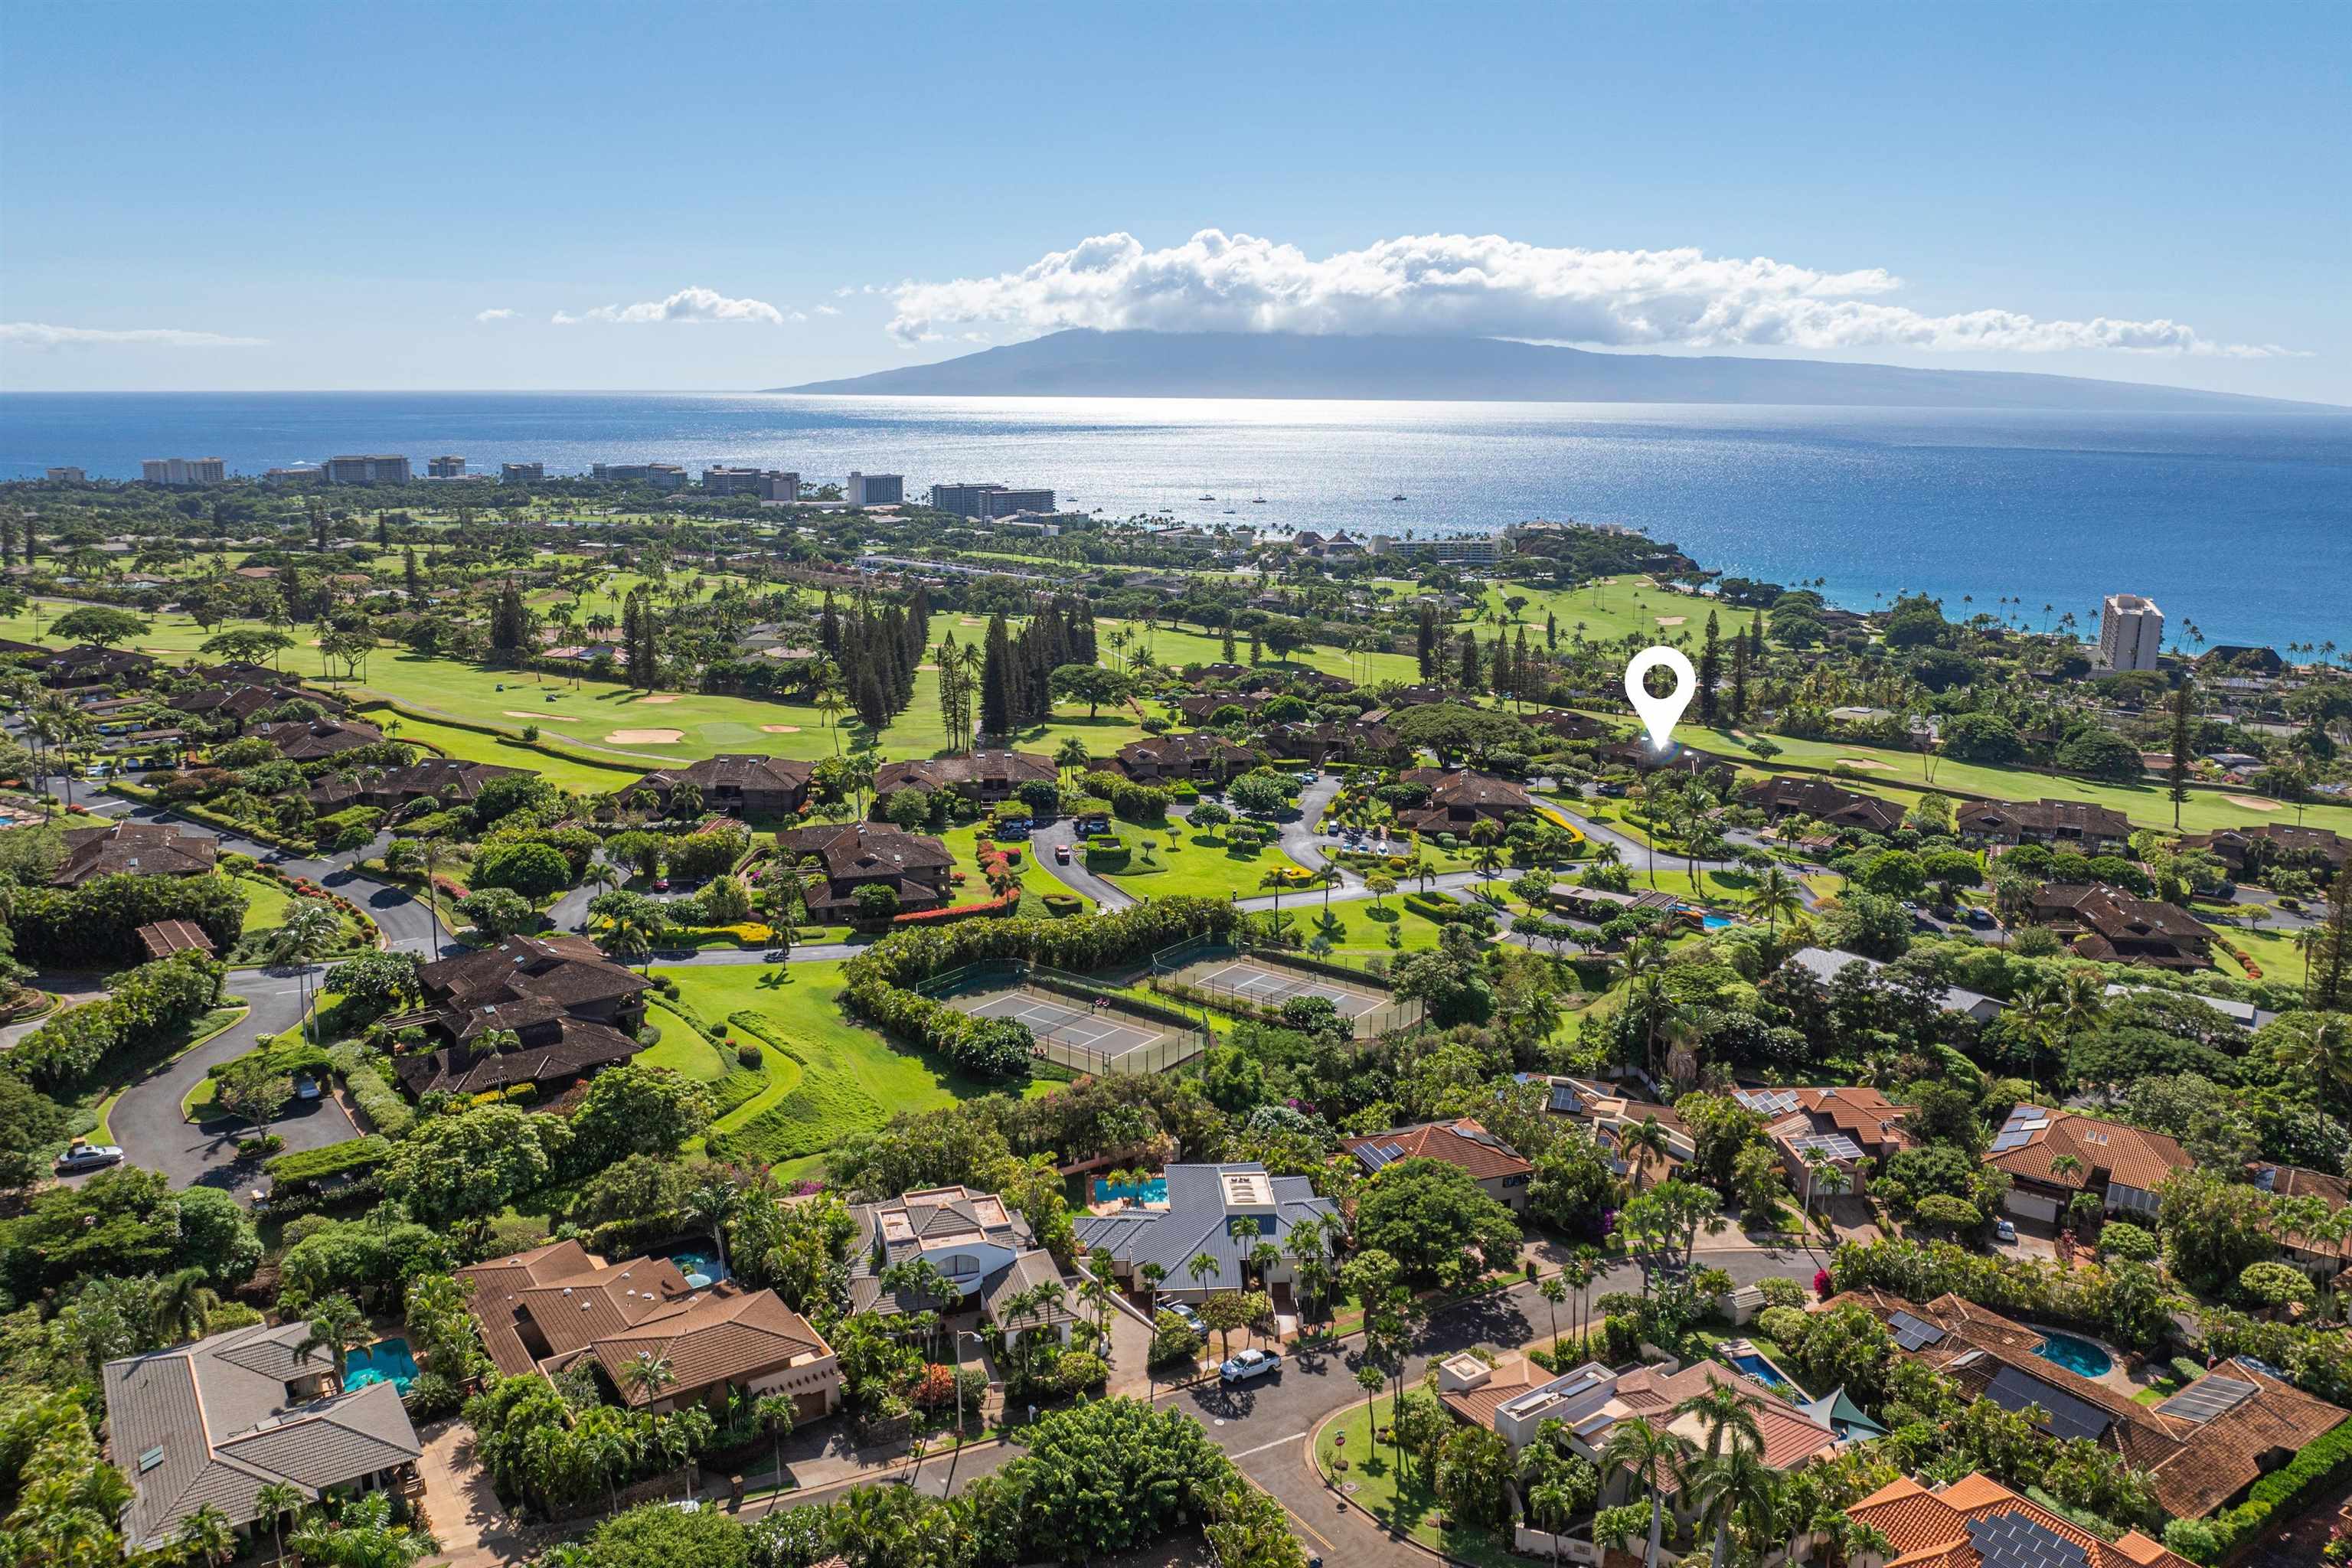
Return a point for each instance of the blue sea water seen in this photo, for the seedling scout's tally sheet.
(2240, 523)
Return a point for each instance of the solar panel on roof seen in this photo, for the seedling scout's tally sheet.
(1913, 1333)
(2265, 1368)
(2007, 1141)
(2208, 1397)
(2014, 1388)
(1378, 1155)
(2015, 1540)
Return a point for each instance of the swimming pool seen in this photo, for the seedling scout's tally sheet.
(1153, 1191)
(700, 1268)
(2078, 1356)
(1715, 922)
(386, 1361)
(1765, 1372)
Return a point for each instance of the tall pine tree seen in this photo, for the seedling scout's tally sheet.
(1738, 679)
(1710, 671)
(996, 681)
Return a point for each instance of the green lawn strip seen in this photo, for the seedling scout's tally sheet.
(2274, 952)
(850, 1079)
(1409, 1506)
(1186, 861)
(473, 746)
(962, 843)
(681, 1048)
(267, 902)
(1173, 650)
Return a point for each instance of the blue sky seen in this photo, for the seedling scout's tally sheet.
(345, 190)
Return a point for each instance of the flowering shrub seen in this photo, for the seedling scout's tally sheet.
(957, 911)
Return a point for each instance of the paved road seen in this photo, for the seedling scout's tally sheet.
(147, 1121)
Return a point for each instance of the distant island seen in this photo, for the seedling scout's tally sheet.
(1087, 363)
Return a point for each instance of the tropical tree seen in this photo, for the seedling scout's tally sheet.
(1655, 1457)
(1775, 896)
(338, 1326)
(205, 1536)
(774, 1412)
(185, 1301)
(1735, 1487)
(275, 1499)
(713, 1204)
(646, 1377)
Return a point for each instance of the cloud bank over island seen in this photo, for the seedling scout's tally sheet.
(43, 335)
(1487, 285)
(693, 305)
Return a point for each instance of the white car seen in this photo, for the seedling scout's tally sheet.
(88, 1157)
(1250, 1365)
(2004, 1229)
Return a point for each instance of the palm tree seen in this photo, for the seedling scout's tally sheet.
(646, 1377)
(1775, 896)
(1654, 1455)
(338, 1324)
(775, 1413)
(1554, 1290)
(1072, 755)
(1727, 1414)
(205, 1536)
(714, 1203)
(1552, 1503)
(1650, 1138)
(275, 1499)
(1736, 1484)
(185, 1301)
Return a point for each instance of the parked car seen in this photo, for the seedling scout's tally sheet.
(775, 955)
(1184, 1313)
(88, 1157)
(1250, 1365)
(661, 884)
(305, 1088)
(1061, 854)
(2004, 1229)
(1016, 829)
(1309, 776)
(1980, 917)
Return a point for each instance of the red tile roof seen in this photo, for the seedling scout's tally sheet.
(1458, 1143)
(1927, 1527)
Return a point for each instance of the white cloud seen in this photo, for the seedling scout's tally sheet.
(827, 310)
(41, 335)
(497, 315)
(695, 304)
(1487, 286)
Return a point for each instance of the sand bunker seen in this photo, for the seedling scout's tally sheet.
(968, 621)
(658, 697)
(646, 737)
(1672, 620)
(780, 728)
(1866, 763)
(2253, 803)
(550, 717)
(921, 668)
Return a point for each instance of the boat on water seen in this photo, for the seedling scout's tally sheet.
(1396, 498)
(1208, 497)
(1259, 501)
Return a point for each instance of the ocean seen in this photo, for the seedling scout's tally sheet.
(2239, 524)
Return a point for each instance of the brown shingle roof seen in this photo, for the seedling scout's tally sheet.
(1010, 768)
(164, 938)
(721, 1336)
(1458, 1143)
(147, 848)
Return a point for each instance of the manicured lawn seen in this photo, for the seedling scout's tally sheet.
(1614, 607)
(681, 1049)
(2273, 952)
(1173, 650)
(1189, 862)
(1902, 776)
(1407, 1504)
(471, 745)
(850, 1079)
(1710, 887)
(265, 905)
(1035, 879)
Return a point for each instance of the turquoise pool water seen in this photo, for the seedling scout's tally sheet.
(386, 1361)
(700, 1268)
(1764, 1372)
(1715, 922)
(1154, 1191)
(2075, 1355)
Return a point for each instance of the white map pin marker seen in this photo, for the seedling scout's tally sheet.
(1660, 714)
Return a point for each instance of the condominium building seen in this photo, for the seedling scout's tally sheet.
(445, 468)
(877, 489)
(1454, 550)
(2131, 630)
(730, 481)
(659, 475)
(67, 476)
(521, 473)
(987, 500)
(778, 485)
(183, 470)
(374, 469)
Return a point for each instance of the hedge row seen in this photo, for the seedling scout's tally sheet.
(364, 1074)
(334, 1160)
(1082, 947)
(987, 1047)
(2281, 1494)
(951, 913)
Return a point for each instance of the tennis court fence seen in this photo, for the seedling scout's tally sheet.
(1178, 1036)
(1190, 969)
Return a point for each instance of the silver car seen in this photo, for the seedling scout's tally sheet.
(88, 1157)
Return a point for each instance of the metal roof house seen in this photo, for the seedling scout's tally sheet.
(1219, 1211)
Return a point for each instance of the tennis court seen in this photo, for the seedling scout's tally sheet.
(1269, 987)
(1091, 1030)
